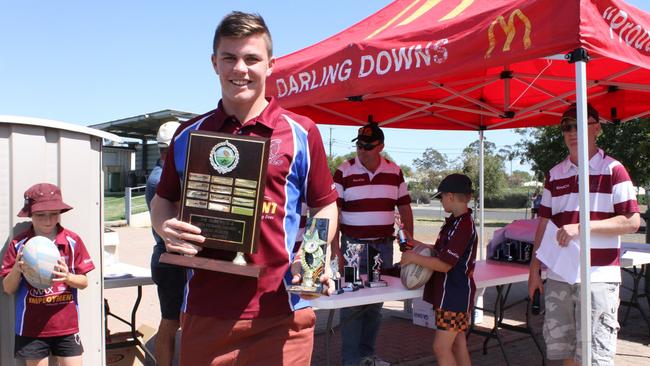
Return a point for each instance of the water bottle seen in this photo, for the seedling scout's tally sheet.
(534, 308)
(402, 239)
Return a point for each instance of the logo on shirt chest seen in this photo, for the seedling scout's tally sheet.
(275, 155)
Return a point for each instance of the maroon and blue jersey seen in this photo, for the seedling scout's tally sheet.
(297, 174)
(53, 311)
(456, 246)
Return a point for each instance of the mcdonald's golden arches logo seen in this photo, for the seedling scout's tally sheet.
(510, 31)
(425, 7)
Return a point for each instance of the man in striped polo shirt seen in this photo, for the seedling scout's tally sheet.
(614, 211)
(369, 188)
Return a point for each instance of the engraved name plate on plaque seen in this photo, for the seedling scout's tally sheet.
(223, 193)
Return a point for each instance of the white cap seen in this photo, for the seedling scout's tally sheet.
(166, 132)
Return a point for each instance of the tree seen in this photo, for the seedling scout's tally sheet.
(406, 170)
(508, 153)
(628, 142)
(431, 160)
(518, 177)
(494, 173)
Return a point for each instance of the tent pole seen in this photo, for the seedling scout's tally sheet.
(583, 184)
(481, 179)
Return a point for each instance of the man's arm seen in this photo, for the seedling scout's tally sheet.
(180, 237)
(406, 216)
(617, 225)
(535, 277)
(336, 240)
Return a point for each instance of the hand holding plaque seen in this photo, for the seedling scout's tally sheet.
(312, 258)
(222, 195)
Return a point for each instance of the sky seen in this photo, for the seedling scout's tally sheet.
(86, 62)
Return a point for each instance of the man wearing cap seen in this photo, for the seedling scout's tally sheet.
(369, 188)
(614, 211)
(170, 280)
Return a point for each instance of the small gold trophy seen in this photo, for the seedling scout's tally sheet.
(313, 256)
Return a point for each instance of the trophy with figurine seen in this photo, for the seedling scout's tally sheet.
(312, 257)
(374, 269)
(351, 272)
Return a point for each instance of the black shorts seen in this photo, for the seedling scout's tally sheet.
(31, 348)
(170, 281)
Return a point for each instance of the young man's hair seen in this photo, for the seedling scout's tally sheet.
(241, 25)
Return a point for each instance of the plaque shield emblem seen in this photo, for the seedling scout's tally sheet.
(224, 157)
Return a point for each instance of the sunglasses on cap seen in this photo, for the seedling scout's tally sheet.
(568, 127)
(366, 146)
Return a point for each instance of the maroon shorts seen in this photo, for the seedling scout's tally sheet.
(280, 340)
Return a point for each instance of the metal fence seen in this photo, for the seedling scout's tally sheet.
(130, 205)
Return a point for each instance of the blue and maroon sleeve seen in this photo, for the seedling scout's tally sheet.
(320, 186)
(82, 261)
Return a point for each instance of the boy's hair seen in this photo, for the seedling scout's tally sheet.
(241, 25)
(463, 197)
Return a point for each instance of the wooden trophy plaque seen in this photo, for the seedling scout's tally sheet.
(223, 193)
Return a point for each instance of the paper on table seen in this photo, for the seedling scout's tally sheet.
(564, 261)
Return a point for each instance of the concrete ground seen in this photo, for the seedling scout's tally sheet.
(400, 342)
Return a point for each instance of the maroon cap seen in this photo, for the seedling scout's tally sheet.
(369, 133)
(43, 197)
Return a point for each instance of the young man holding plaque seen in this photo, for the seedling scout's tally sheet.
(614, 211)
(370, 188)
(227, 318)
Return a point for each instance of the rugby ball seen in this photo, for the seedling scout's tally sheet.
(40, 255)
(414, 276)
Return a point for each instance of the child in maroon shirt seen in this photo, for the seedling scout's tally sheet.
(451, 288)
(47, 319)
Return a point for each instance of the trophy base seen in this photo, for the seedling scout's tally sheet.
(216, 265)
(373, 284)
(305, 290)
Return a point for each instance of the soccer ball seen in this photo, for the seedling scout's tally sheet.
(414, 276)
(40, 255)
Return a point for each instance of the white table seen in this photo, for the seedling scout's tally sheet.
(486, 274)
(120, 275)
(633, 255)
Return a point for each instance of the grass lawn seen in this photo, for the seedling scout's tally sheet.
(114, 206)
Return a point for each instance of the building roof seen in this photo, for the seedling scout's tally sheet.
(41, 122)
(144, 126)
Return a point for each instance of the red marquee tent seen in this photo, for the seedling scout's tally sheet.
(479, 65)
(468, 64)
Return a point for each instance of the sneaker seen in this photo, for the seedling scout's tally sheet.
(373, 361)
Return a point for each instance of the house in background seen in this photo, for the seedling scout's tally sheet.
(128, 164)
